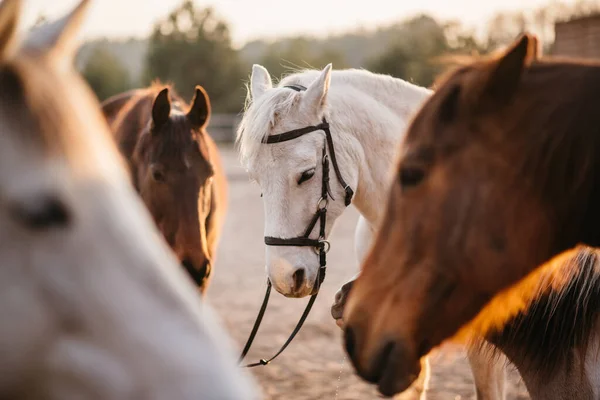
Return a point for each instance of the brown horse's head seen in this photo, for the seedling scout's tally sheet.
(494, 178)
(174, 178)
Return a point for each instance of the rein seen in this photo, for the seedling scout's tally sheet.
(320, 245)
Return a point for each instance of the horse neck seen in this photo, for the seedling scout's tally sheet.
(577, 379)
(562, 148)
(570, 383)
(547, 325)
(368, 114)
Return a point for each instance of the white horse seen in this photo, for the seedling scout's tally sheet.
(93, 303)
(367, 114)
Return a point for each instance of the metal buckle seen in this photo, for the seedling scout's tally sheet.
(321, 205)
(326, 246)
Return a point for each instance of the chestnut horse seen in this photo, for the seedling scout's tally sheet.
(93, 303)
(176, 168)
(499, 172)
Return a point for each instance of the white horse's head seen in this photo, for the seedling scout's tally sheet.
(290, 173)
(93, 303)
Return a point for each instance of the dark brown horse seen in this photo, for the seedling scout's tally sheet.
(499, 173)
(176, 168)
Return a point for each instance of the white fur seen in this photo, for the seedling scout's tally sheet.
(368, 115)
(98, 309)
(60, 38)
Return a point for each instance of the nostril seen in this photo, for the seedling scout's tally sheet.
(187, 264)
(197, 275)
(298, 277)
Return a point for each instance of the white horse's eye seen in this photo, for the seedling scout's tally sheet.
(306, 175)
(42, 213)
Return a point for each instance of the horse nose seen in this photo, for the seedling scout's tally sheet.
(298, 277)
(188, 265)
(197, 274)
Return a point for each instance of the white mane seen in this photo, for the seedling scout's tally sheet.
(261, 114)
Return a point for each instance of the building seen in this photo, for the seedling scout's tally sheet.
(578, 37)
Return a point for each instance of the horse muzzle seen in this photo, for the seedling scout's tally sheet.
(199, 274)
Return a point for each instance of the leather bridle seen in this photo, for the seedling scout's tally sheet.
(320, 245)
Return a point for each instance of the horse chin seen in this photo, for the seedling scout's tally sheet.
(304, 292)
(396, 378)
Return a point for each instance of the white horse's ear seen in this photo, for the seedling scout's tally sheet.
(316, 94)
(60, 38)
(260, 81)
(10, 11)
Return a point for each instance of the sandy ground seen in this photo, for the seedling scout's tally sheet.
(314, 365)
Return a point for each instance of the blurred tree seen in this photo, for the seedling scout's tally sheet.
(411, 58)
(193, 47)
(504, 28)
(299, 53)
(105, 75)
(463, 41)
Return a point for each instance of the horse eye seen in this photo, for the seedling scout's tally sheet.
(42, 213)
(410, 176)
(157, 174)
(306, 175)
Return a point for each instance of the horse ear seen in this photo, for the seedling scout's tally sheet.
(161, 109)
(9, 20)
(260, 81)
(200, 110)
(60, 38)
(316, 94)
(505, 76)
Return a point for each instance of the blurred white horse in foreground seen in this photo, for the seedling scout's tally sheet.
(93, 304)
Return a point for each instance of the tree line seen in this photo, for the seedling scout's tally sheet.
(193, 45)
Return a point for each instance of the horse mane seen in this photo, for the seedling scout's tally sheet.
(548, 318)
(136, 114)
(553, 124)
(262, 114)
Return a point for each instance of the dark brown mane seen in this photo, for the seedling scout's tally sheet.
(135, 115)
(179, 139)
(561, 159)
(564, 123)
(560, 318)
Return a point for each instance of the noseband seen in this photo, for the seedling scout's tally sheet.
(320, 245)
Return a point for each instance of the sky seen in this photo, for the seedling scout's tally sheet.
(252, 19)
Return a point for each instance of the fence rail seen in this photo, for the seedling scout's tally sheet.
(222, 127)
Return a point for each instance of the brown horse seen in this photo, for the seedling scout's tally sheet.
(176, 168)
(499, 173)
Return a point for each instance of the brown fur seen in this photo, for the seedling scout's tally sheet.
(547, 323)
(188, 203)
(499, 173)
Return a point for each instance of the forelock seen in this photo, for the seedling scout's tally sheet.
(260, 116)
(259, 119)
